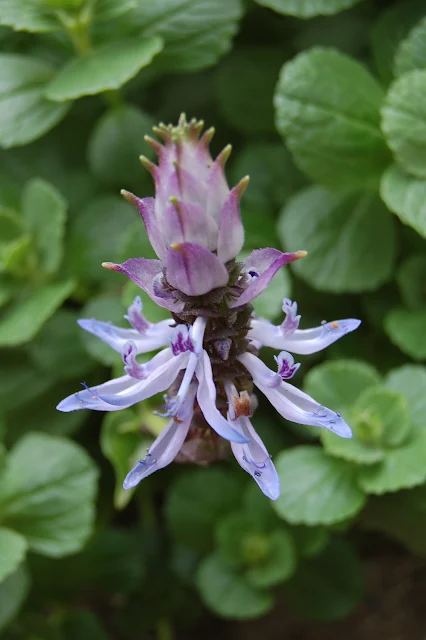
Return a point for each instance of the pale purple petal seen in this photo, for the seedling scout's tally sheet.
(146, 207)
(166, 447)
(286, 365)
(292, 320)
(231, 231)
(291, 403)
(156, 336)
(261, 266)
(89, 399)
(301, 341)
(189, 222)
(136, 317)
(206, 396)
(217, 186)
(194, 270)
(145, 273)
(131, 366)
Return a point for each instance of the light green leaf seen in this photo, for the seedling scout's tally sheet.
(411, 53)
(58, 348)
(106, 308)
(25, 114)
(108, 67)
(14, 547)
(242, 540)
(47, 493)
(196, 34)
(382, 417)
(327, 109)
(25, 319)
(400, 515)
(316, 489)
(350, 239)
(404, 121)
(245, 82)
(116, 143)
(353, 450)
(105, 10)
(406, 329)
(44, 212)
(308, 8)
(227, 593)
(392, 26)
(402, 468)
(195, 503)
(97, 234)
(25, 15)
(278, 566)
(405, 195)
(410, 381)
(7, 289)
(339, 383)
(13, 592)
(121, 443)
(411, 279)
(329, 586)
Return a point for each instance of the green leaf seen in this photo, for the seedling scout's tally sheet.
(227, 593)
(405, 195)
(96, 234)
(196, 501)
(273, 179)
(116, 143)
(14, 547)
(20, 381)
(329, 586)
(350, 239)
(84, 625)
(310, 541)
(327, 109)
(411, 279)
(316, 489)
(278, 566)
(196, 34)
(23, 15)
(59, 348)
(123, 446)
(382, 416)
(392, 26)
(47, 493)
(13, 592)
(7, 289)
(339, 383)
(24, 319)
(403, 121)
(354, 450)
(308, 8)
(241, 540)
(107, 68)
(402, 516)
(411, 53)
(405, 329)
(410, 380)
(44, 212)
(402, 468)
(25, 114)
(107, 308)
(244, 84)
(105, 10)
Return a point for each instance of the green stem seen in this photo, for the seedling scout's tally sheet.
(164, 630)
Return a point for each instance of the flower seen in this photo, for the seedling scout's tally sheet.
(208, 360)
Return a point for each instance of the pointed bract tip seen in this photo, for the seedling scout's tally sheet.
(150, 166)
(207, 136)
(224, 155)
(176, 246)
(299, 254)
(111, 266)
(154, 144)
(242, 185)
(129, 196)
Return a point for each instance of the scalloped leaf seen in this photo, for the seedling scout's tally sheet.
(316, 489)
(402, 468)
(406, 329)
(410, 380)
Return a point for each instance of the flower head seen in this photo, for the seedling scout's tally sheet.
(208, 361)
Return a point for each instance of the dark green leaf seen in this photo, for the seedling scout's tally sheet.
(13, 592)
(14, 547)
(308, 8)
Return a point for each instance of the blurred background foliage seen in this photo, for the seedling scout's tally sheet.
(324, 102)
